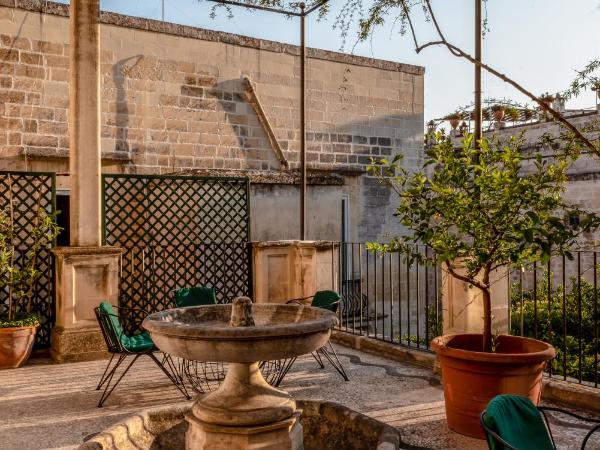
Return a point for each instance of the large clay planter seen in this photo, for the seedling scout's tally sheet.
(471, 378)
(15, 346)
(499, 115)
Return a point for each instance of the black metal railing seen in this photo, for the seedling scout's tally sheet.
(150, 274)
(387, 299)
(557, 302)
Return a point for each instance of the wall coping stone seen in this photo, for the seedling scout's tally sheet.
(314, 177)
(139, 23)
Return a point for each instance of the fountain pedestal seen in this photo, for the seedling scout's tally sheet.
(282, 435)
(244, 413)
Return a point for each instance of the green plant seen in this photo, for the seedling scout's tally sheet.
(557, 312)
(478, 211)
(18, 268)
(512, 113)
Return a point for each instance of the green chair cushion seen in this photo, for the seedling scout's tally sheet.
(139, 343)
(517, 420)
(195, 296)
(327, 300)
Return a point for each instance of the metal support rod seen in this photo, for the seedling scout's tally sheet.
(163, 10)
(477, 104)
(302, 123)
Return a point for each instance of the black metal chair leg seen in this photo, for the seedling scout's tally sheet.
(334, 360)
(102, 379)
(107, 392)
(173, 378)
(287, 365)
(318, 359)
(111, 373)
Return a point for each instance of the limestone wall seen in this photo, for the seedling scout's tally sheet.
(172, 100)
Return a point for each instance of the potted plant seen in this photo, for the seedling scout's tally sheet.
(498, 111)
(454, 119)
(478, 211)
(512, 113)
(18, 277)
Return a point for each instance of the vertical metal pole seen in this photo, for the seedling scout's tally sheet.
(302, 123)
(163, 10)
(477, 103)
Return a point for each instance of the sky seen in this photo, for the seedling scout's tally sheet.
(539, 43)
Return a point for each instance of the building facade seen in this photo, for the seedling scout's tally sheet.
(173, 101)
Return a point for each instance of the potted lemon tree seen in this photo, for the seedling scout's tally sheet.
(18, 278)
(481, 208)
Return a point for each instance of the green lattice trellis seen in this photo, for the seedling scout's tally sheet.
(27, 189)
(177, 231)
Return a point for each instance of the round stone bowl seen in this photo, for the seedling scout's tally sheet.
(204, 333)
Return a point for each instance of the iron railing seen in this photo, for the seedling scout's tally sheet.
(557, 302)
(387, 299)
(150, 274)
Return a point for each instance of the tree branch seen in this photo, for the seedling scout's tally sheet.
(456, 51)
(460, 277)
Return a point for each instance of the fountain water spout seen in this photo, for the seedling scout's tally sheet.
(241, 313)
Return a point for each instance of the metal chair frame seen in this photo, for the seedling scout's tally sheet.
(490, 434)
(327, 351)
(115, 347)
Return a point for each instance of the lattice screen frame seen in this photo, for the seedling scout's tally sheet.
(23, 201)
(170, 243)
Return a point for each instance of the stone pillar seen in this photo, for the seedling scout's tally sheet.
(84, 123)
(285, 270)
(86, 272)
(462, 306)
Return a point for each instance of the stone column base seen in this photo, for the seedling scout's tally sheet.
(77, 344)
(283, 435)
(85, 276)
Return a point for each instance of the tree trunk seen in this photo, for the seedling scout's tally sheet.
(487, 321)
(487, 312)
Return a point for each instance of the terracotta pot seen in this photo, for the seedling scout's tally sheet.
(15, 346)
(454, 123)
(471, 378)
(499, 115)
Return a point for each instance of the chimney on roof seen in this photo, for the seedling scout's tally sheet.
(559, 103)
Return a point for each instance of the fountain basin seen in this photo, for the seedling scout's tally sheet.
(204, 334)
(326, 426)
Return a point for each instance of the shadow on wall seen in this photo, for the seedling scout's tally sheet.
(251, 141)
(119, 72)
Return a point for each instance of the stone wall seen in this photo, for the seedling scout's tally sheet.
(172, 100)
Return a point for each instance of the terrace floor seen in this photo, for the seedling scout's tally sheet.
(45, 406)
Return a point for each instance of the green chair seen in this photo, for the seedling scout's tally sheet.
(195, 296)
(122, 345)
(329, 300)
(513, 422)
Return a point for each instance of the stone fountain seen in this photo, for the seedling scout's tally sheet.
(245, 412)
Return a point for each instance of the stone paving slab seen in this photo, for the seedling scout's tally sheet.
(46, 406)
